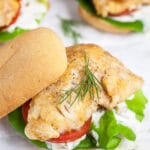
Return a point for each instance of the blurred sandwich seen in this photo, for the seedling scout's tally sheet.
(104, 14)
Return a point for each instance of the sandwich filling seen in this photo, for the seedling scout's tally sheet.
(67, 104)
(116, 7)
(31, 14)
(18, 16)
(114, 13)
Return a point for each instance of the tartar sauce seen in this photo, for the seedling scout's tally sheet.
(31, 11)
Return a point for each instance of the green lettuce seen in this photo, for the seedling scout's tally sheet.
(136, 25)
(16, 120)
(137, 104)
(6, 36)
(109, 131)
(87, 143)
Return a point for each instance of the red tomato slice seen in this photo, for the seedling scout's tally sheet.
(125, 12)
(66, 136)
(25, 109)
(73, 134)
(14, 19)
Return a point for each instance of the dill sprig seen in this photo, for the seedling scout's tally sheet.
(68, 28)
(88, 84)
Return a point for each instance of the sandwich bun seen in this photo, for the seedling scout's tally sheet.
(28, 64)
(100, 23)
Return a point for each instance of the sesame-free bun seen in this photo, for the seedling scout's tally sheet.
(28, 64)
(100, 23)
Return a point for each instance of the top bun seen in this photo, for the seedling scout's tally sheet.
(28, 64)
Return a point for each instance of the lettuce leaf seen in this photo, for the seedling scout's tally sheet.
(88, 142)
(136, 25)
(6, 36)
(109, 131)
(137, 104)
(16, 121)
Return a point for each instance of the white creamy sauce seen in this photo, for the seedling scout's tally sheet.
(30, 11)
(141, 14)
(127, 117)
(65, 146)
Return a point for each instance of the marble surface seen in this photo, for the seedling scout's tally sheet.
(132, 49)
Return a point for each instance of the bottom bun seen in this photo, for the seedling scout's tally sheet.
(100, 23)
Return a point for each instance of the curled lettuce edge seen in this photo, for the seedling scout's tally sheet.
(7, 36)
(137, 104)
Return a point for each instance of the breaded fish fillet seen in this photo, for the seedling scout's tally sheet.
(106, 7)
(8, 10)
(47, 118)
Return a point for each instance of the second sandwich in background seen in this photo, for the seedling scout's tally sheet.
(115, 16)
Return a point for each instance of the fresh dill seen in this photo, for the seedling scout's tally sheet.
(68, 28)
(88, 84)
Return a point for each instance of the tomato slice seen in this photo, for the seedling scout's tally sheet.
(14, 19)
(125, 12)
(25, 109)
(73, 134)
(66, 136)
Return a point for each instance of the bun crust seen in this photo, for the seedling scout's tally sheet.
(101, 24)
(28, 64)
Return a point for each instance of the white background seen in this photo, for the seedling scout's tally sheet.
(132, 49)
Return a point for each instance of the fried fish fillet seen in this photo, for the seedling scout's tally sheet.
(8, 10)
(106, 7)
(47, 118)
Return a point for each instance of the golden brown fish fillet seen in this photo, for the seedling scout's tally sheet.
(146, 2)
(106, 7)
(8, 10)
(47, 119)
